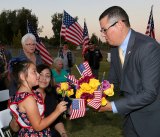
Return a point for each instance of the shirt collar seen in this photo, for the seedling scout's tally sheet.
(124, 45)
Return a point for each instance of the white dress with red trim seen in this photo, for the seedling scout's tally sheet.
(21, 117)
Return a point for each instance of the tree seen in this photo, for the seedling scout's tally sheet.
(11, 22)
(6, 26)
(57, 23)
(17, 40)
(22, 16)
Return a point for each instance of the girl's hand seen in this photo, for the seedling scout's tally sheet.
(61, 107)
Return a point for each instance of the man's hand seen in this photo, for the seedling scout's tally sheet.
(107, 107)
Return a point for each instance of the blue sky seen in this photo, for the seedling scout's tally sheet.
(138, 11)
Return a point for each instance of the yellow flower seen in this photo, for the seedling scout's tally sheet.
(94, 83)
(88, 100)
(59, 91)
(109, 92)
(91, 91)
(85, 87)
(78, 93)
(103, 101)
(70, 92)
(64, 86)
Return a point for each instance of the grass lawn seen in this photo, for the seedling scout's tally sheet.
(95, 124)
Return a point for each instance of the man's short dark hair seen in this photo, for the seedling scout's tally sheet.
(116, 11)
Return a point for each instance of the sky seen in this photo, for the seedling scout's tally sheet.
(90, 10)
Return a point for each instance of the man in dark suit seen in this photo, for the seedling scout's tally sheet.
(137, 74)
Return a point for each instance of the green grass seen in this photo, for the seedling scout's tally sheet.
(95, 124)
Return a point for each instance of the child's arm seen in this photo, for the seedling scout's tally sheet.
(38, 123)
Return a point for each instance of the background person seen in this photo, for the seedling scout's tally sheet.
(29, 51)
(138, 76)
(28, 42)
(58, 72)
(59, 75)
(5, 56)
(93, 55)
(68, 58)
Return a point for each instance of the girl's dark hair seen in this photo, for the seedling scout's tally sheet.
(40, 68)
(17, 66)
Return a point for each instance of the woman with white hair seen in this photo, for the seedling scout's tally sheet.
(29, 51)
(28, 42)
(59, 74)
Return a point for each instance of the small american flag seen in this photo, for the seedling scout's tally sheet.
(71, 30)
(150, 26)
(45, 55)
(85, 69)
(96, 101)
(78, 108)
(72, 79)
(85, 39)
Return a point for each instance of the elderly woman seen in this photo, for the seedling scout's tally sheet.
(59, 75)
(28, 52)
(28, 42)
(58, 72)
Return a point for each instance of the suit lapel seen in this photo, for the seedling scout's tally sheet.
(129, 48)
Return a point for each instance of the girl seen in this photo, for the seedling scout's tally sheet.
(28, 105)
(48, 93)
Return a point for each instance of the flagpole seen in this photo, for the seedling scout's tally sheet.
(61, 28)
(27, 27)
(152, 8)
(78, 70)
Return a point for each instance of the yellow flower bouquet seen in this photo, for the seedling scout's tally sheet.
(93, 91)
(64, 89)
(89, 91)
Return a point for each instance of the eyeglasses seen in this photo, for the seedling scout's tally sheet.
(104, 30)
(30, 44)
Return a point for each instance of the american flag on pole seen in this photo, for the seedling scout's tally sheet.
(96, 101)
(85, 69)
(78, 108)
(45, 55)
(71, 30)
(150, 26)
(85, 39)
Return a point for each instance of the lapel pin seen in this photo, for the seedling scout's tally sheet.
(129, 52)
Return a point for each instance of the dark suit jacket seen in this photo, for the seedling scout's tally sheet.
(139, 79)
